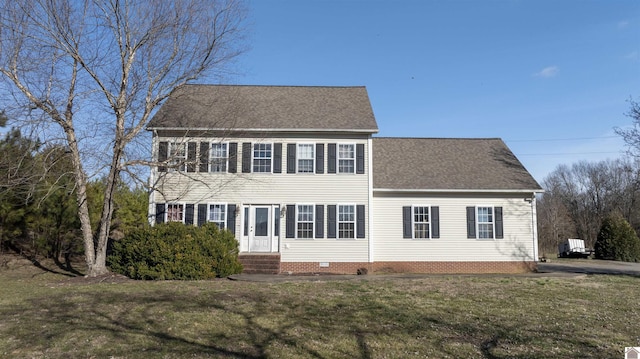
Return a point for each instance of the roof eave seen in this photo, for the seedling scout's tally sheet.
(150, 128)
(457, 190)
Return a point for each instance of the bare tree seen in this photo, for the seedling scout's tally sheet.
(631, 135)
(100, 68)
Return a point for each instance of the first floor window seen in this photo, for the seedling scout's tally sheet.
(217, 214)
(175, 212)
(262, 157)
(421, 222)
(346, 221)
(219, 157)
(305, 221)
(346, 158)
(485, 222)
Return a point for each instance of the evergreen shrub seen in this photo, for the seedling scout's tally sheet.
(617, 240)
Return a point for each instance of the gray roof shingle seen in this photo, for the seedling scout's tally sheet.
(294, 108)
(447, 164)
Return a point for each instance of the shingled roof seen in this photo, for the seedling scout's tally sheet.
(448, 164)
(267, 108)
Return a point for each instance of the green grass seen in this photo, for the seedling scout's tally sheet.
(45, 315)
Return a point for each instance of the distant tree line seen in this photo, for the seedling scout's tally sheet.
(579, 197)
(38, 209)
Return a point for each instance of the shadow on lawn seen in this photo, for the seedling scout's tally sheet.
(250, 323)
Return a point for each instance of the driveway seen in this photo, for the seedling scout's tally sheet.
(589, 266)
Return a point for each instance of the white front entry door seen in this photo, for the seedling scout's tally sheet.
(260, 229)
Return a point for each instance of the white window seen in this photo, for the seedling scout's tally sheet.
(346, 221)
(177, 156)
(217, 214)
(306, 157)
(421, 226)
(346, 158)
(305, 221)
(175, 212)
(219, 156)
(262, 155)
(485, 222)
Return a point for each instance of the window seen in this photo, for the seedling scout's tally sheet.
(262, 157)
(219, 157)
(346, 221)
(217, 214)
(306, 157)
(485, 222)
(346, 158)
(177, 156)
(175, 212)
(421, 222)
(304, 221)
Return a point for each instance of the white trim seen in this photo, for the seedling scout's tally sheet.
(413, 223)
(391, 190)
(355, 220)
(371, 208)
(313, 220)
(313, 157)
(253, 144)
(152, 177)
(534, 226)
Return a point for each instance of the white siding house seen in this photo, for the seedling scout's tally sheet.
(296, 174)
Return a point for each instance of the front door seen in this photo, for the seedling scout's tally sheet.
(260, 229)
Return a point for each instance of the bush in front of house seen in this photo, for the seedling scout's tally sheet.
(176, 251)
(617, 240)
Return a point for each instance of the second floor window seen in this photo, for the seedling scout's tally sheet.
(219, 157)
(177, 156)
(305, 157)
(346, 158)
(262, 156)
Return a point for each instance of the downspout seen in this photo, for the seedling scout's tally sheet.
(534, 226)
(370, 198)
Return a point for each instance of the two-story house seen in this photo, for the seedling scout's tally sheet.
(296, 174)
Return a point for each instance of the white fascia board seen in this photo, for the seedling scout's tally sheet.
(262, 129)
(390, 190)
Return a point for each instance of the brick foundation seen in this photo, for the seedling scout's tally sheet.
(408, 267)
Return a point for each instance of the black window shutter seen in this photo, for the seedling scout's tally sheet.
(319, 221)
(331, 221)
(191, 157)
(360, 158)
(435, 222)
(406, 222)
(246, 157)
(291, 158)
(471, 222)
(331, 164)
(204, 157)
(202, 214)
(319, 158)
(188, 213)
(231, 218)
(499, 224)
(291, 221)
(233, 157)
(277, 158)
(276, 222)
(360, 221)
(160, 212)
(163, 149)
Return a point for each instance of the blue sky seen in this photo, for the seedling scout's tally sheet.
(551, 78)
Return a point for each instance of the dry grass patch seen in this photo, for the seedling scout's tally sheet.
(50, 315)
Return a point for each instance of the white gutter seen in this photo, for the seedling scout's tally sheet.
(391, 190)
(534, 226)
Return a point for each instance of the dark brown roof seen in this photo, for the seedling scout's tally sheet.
(447, 164)
(294, 108)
